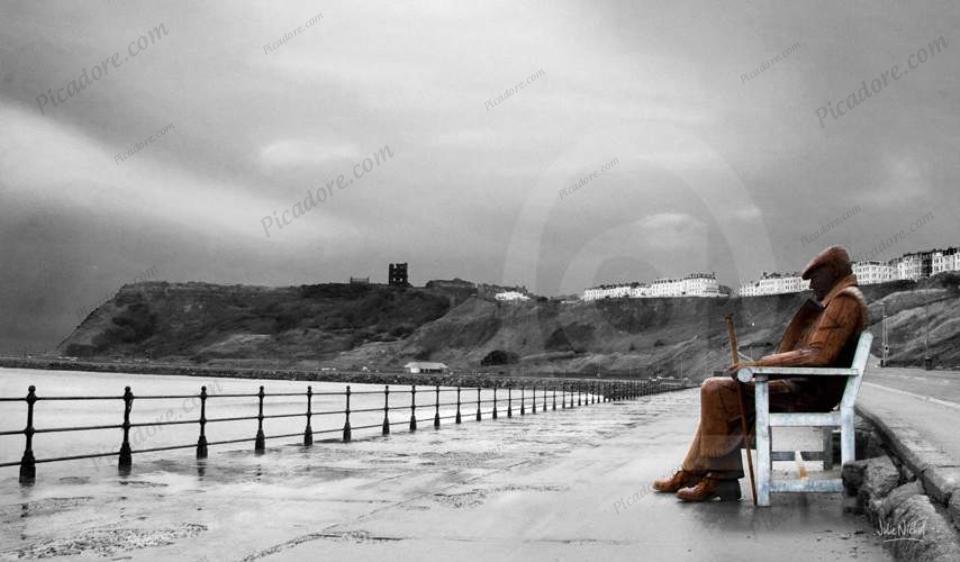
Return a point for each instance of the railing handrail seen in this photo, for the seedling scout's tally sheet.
(586, 392)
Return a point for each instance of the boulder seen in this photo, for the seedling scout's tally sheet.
(917, 531)
(870, 478)
(898, 496)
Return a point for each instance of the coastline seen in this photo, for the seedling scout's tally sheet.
(473, 379)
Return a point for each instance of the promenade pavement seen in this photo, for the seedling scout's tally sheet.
(928, 401)
(563, 485)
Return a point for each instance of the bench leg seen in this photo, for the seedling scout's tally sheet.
(762, 406)
(827, 448)
(848, 451)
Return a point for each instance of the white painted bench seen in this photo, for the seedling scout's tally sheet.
(841, 417)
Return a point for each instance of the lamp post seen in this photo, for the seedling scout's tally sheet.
(927, 361)
(883, 331)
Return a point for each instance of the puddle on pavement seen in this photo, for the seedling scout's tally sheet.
(477, 496)
(35, 508)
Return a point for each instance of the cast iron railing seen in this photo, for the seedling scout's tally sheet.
(571, 394)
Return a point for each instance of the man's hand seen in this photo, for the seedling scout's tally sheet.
(731, 371)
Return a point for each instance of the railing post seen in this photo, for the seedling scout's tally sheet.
(510, 401)
(126, 455)
(554, 398)
(260, 443)
(436, 411)
(413, 408)
(458, 420)
(28, 464)
(494, 401)
(479, 418)
(523, 400)
(579, 397)
(347, 432)
(308, 431)
(544, 409)
(533, 408)
(563, 395)
(202, 440)
(386, 409)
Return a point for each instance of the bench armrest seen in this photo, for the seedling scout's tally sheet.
(747, 374)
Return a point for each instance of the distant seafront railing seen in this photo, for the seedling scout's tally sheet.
(572, 394)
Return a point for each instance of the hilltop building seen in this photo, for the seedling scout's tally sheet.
(773, 284)
(942, 261)
(700, 285)
(692, 285)
(911, 266)
(398, 275)
(873, 272)
(609, 292)
(511, 296)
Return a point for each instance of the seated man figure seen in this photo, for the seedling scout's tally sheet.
(823, 333)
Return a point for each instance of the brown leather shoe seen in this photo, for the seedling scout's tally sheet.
(710, 488)
(680, 479)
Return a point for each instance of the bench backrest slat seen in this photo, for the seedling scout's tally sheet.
(860, 364)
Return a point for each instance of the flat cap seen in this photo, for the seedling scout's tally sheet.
(834, 257)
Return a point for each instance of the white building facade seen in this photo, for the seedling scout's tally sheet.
(774, 284)
(749, 289)
(912, 267)
(511, 296)
(701, 285)
(945, 260)
(909, 266)
(607, 292)
(692, 285)
(873, 272)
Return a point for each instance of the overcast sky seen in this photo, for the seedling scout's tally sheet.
(716, 154)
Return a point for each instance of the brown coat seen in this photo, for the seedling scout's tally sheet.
(823, 335)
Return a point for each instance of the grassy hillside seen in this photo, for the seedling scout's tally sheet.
(203, 322)
(380, 327)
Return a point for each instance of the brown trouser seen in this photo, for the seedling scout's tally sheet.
(716, 446)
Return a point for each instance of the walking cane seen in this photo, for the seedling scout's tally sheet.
(743, 411)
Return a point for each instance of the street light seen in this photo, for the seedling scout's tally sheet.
(883, 329)
(927, 361)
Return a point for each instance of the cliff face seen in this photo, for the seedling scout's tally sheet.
(354, 326)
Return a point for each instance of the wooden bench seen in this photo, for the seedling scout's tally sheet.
(841, 417)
